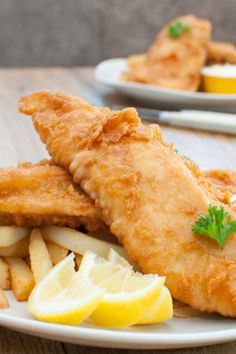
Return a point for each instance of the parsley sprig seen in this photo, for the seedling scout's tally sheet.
(177, 28)
(217, 225)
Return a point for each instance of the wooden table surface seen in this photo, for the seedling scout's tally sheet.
(19, 142)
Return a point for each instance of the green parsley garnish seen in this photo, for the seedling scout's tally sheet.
(218, 225)
(176, 29)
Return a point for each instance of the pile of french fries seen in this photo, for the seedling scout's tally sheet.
(26, 255)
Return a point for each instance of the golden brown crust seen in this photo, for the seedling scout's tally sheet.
(223, 183)
(224, 178)
(149, 195)
(44, 194)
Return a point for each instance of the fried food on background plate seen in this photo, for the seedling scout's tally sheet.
(217, 53)
(175, 61)
(149, 196)
(44, 194)
(221, 52)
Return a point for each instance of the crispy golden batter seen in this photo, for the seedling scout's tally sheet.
(175, 62)
(44, 194)
(224, 185)
(221, 52)
(224, 178)
(149, 196)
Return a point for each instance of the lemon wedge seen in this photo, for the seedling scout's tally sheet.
(64, 296)
(162, 310)
(108, 291)
(128, 295)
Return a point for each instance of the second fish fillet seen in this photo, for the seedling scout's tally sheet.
(44, 194)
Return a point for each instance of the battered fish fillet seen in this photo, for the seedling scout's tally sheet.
(221, 52)
(44, 194)
(175, 62)
(149, 196)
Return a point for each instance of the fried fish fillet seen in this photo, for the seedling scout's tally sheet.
(44, 194)
(175, 62)
(221, 52)
(149, 196)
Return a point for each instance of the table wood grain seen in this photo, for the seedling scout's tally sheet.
(19, 142)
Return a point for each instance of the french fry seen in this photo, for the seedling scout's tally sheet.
(19, 249)
(135, 60)
(22, 280)
(9, 235)
(78, 242)
(40, 260)
(78, 260)
(57, 253)
(5, 280)
(3, 300)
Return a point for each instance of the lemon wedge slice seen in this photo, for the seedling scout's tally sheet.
(128, 295)
(64, 296)
(162, 310)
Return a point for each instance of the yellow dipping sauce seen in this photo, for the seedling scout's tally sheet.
(219, 78)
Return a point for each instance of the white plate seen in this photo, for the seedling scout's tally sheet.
(108, 72)
(176, 333)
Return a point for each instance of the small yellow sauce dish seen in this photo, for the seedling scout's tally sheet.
(219, 79)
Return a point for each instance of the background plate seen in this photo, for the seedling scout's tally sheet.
(108, 72)
(177, 333)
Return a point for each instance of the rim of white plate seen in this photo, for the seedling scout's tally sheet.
(123, 337)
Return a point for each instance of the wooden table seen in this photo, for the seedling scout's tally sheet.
(19, 142)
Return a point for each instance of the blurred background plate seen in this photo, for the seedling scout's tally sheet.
(108, 72)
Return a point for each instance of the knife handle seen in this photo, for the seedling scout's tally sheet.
(204, 120)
